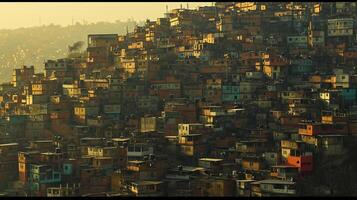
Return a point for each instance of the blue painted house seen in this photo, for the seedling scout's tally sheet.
(230, 93)
(301, 66)
(18, 119)
(67, 169)
(349, 94)
(42, 175)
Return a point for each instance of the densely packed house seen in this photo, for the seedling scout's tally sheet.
(233, 99)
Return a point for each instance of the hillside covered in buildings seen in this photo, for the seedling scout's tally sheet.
(34, 45)
(235, 99)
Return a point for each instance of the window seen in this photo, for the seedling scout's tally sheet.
(339, 126)
(150, 187)
(285, 152)
(56, 176)
(279, 186)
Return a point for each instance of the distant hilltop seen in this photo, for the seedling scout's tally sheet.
(34, 45)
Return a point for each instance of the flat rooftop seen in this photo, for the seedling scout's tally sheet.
(9, 144)
(283, 166)
(211, 159)
(120, 139)
(147, 182)
(274, 181)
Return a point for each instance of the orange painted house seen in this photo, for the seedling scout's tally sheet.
(304, 163)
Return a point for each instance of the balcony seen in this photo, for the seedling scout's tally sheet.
(303, 131)
(327, 119)
(179, 177)
(278, 187)
(283, 191)
(274, 174)
(138, 153)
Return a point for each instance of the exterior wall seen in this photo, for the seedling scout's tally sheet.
(148, 124)
(139, 150)
(36, 99)
(147, 190)
(230, 93)
(330, 146)
(251, 165)
(285, 153)
(340, 27)
(316, 38)
(304, 163)
(310, 130)
(186, 129)
(166, 90)
(297, 41)
(349, 94)
(276, 189)
(192, 150)
(301, 66)
(22, 76)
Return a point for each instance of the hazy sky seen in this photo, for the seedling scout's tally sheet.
(25, 14)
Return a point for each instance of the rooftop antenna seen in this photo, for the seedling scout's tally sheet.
(181, 6)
